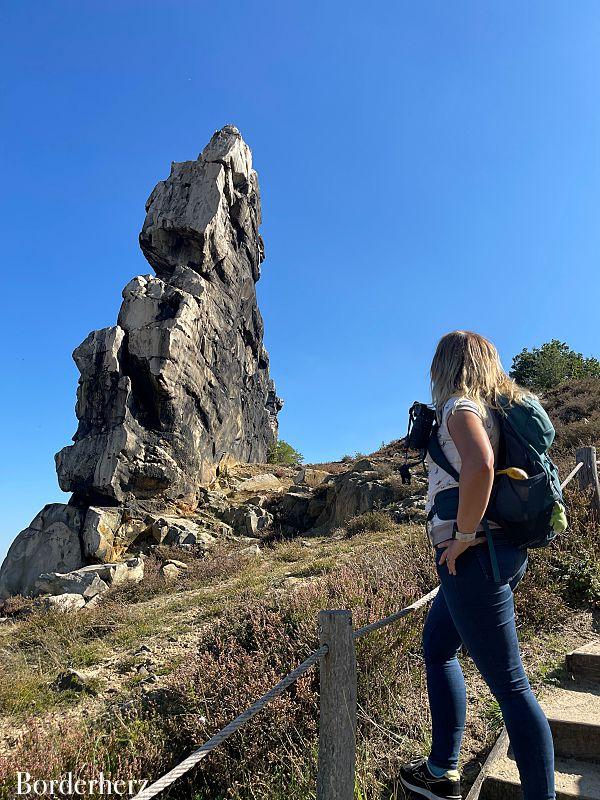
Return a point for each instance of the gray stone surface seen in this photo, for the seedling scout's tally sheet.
(178, 530)
(248, 519)
(65, 603)
(351, 493)
(182, 381)
(91, 580)
(50, 543)
(85, 582)
(99, 529)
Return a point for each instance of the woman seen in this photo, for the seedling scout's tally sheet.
(471, 607)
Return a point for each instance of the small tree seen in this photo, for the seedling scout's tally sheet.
(284, 453)
(549, 365)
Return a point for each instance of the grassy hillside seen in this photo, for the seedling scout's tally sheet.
(166, 666)
(574, 407)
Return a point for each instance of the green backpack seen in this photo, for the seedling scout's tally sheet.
(530, 511)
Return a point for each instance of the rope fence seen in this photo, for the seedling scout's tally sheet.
(191, 761)
(381, 623)
(338, 702)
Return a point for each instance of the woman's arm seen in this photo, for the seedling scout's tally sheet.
(476, 477)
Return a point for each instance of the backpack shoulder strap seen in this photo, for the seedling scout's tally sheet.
(438, 456)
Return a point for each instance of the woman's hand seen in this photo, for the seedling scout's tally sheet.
(453, 548)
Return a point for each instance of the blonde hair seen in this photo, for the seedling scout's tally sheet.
(467, 365)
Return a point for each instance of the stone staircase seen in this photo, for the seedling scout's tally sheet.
(574, 717)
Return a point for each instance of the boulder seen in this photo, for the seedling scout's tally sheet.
(179, 564)
(293, 511)
(352, 493)
(182, 381)
(50, 543)
(265, 482)
(85, 582)
(130, 571)
(170, 571)
(311, 477)
(251, 550)
(99, 530)
(363, 465)
(91, 580)
(72, 681)
(179, 530)
(248, 519)
(64, 603)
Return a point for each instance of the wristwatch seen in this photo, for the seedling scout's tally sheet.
(463, 537)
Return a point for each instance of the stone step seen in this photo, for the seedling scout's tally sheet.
(574, 779)
(574, 717)
(585, 662)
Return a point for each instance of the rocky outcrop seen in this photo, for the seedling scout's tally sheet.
(182, 381)
(91, 580)
(351, 493)
(51, 542)
(177, 387)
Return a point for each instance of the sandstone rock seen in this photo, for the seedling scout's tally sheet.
(179, 530)
(364, 465)
(99, 529)
(50, 543)
(130, 571)
(72, 681)
(293, 511)
(129, 531)
(252, 550)
(265, 482)
(64, 602)
(91, 580)
(170, 572)
(213, 502)
(248, 519)
(349, 494)
(85, 582)
(182, 381)
(311, 477)
(211, 526)
(176, 563)
(179, 386)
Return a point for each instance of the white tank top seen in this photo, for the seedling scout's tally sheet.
(439, 530)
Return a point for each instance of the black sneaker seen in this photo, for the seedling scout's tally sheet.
(416, 776)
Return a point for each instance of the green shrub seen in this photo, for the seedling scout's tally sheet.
(581, 580)
(284, 453)
(550, 365)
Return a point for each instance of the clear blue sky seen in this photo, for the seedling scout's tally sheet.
(424, 166)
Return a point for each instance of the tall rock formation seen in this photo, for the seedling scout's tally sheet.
(181, 382)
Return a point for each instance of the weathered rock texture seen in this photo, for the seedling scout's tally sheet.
(179, 385)
(182, 381)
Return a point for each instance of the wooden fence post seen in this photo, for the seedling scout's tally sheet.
(337, 723)
(588, 474)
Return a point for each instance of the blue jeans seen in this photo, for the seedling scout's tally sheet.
(471, 608)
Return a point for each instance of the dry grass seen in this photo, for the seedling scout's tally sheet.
(250, 636)
(574, 409)
(228, 629)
